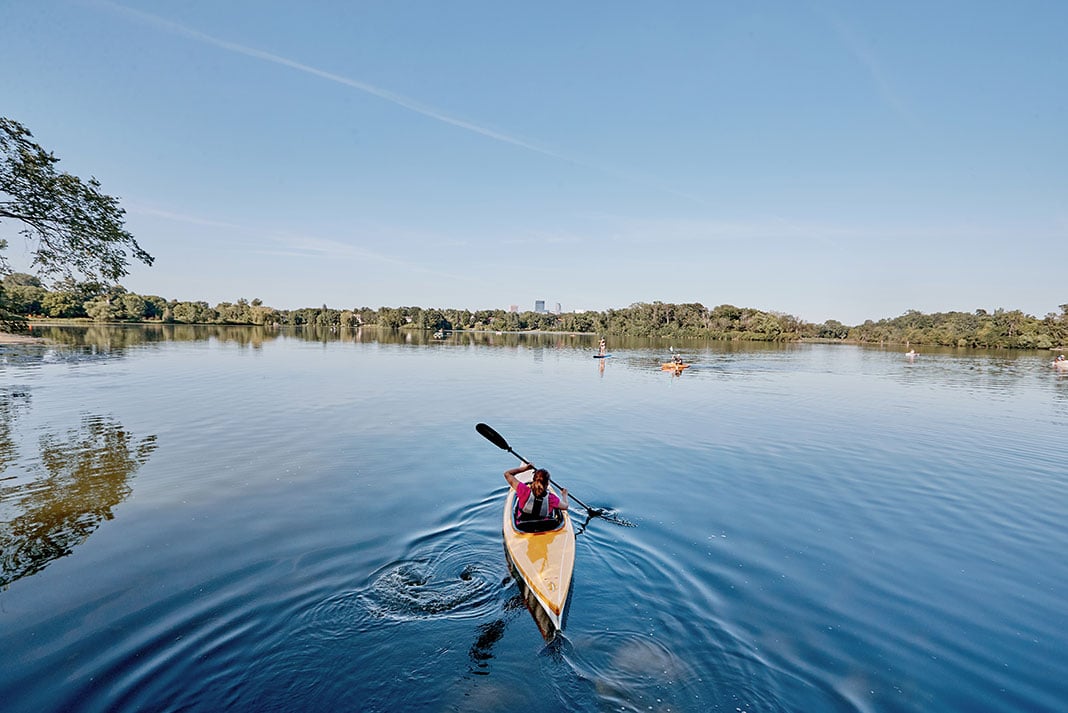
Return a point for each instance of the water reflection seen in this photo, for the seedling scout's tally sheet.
(80, 477)
(481, 652)
(112, 338)
(1060, 386)
(117, 337)
(13, 401)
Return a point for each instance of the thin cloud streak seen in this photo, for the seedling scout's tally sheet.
(297, 247)
(137, 209)
(863, 53)
(312, 247)
(392, 97)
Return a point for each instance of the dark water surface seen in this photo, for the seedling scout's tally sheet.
(233, 519)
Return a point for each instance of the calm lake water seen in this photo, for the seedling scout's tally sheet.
(198, 519)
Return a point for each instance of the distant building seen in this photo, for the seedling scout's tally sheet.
(557, 310)
(513, 308)
(539, 306)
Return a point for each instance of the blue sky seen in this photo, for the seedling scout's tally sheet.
(828, 159)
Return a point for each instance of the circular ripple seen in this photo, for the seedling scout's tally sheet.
(627, 659)
(453, 583)
(632, 672)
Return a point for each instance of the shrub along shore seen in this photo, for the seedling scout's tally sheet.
(25, 299)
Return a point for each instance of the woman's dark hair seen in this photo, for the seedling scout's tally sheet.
(541, 474)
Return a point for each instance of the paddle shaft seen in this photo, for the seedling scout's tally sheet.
(498, 440)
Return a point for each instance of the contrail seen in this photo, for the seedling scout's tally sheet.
(392, 97)
(135, 207)
(866, 56)
(303, 245)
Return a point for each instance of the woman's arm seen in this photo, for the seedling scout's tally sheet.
(510, 475)
(562, 505)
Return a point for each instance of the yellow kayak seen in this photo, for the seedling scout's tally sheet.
(541, 562)
(673, 366)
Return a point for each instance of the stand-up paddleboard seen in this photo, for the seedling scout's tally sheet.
(601, 356)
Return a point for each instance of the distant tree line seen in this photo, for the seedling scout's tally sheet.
(25, 296)
(980, 329)
(78, 231)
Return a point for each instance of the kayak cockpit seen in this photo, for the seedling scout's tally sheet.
(524, 523)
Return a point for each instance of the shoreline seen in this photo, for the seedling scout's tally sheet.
(9, 338)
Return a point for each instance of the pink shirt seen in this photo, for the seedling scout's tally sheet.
(522, 492)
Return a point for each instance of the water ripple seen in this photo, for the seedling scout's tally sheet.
(449, 584)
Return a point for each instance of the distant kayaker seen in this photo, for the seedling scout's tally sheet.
(603, 349)
(534, 500)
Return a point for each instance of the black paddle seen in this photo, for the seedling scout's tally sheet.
(498, 440)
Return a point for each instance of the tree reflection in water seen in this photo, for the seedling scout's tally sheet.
(13, 401)
(81, 477)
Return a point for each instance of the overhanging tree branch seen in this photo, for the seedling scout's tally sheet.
(75, 229)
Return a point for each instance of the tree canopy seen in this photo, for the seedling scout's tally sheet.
(73, 228)
(980, 329)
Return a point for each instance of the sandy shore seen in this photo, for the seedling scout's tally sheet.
(7, 338)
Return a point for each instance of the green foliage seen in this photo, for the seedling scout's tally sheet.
(1000, 329)
(833, 329)
(24, 299)
(101, 309)
(154, 307)
(77, 229)
(391, 317)
(193, 313)
(62, 304)
(10, 321)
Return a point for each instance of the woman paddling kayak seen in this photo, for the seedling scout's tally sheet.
(539, 543)
(534, 501)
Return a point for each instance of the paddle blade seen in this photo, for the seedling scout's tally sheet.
(492, 436)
